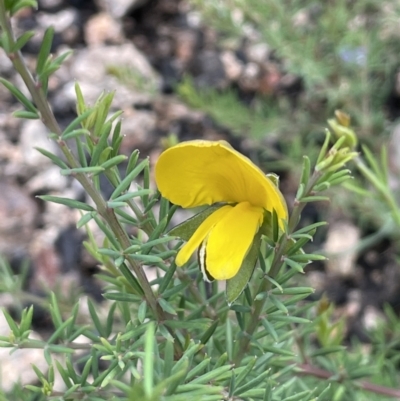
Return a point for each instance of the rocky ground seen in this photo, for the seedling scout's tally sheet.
(141, 49)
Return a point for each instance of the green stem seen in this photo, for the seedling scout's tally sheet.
(276, 265)
(50, 122)
(381, 188)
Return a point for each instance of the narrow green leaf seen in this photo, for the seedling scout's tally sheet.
(372, 161)
(167, 278)
(166, 306)
(19, 95)
(306, 257)
(133, 159)
(278, 304)
(328, 350)
(209, 332)
(126, 182)
(176, 289)
(295, 266)
(76, 133)
(72, 203)
(114, 161)
(84, 170)
(274, 282)
(116, 139)
(13, 326)
(45, 49)
(294, 291)
(131, 279)
(384, 164)
(95, 318)
(314, 199)
(253, 383)
(212, 375)
(150, 259)
(59, 333)
(245, 372)
(288, 319)
(64, 375)
(16, 6)
(62, 57)
(303, 396)
(324, 147)
(100, 378)
(55, 311)
(186, 229)
(198, 369)
(28, 115)
(84, 220)
(55, 159)
(300, 191)
(26, 319)
(270, 329)
(295, 246)
(142, 311)
(240, 308)
(178, 373)
(78, 120)
(306, 171)
(148, 362)
(101, 145)
(311, 227)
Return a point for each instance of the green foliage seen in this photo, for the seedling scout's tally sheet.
(175, 337)
(227, 110)
(344, 52)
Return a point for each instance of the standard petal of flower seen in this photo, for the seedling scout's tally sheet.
(204, 228)
(230, 240)
(196, 173)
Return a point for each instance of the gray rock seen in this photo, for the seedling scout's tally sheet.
(47, 180)
(18, 213)
(61, 21)
(208, 70)
(91, 69)
(138, 130)
(49, 4)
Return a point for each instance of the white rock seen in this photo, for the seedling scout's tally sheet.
(61, 21)
(49, 179)
(102, 28)
(35, 135)
(90, 67)
(119, 8)
(233, 66)
(340, 247)
(258, 52)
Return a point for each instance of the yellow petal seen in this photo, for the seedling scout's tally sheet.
(202, 231)
(230, 240)
(196, 173)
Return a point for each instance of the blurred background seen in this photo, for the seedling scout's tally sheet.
(263, 75)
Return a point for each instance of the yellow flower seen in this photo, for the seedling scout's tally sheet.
(197, 173)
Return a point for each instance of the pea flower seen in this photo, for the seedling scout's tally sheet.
(197, 173)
